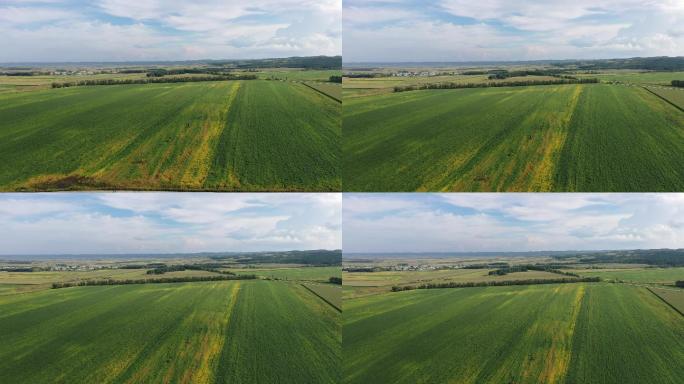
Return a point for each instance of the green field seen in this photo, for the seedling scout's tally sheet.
(636, 275)
(330, 292)
(572, 333)
(17, 282)
(539, 138)
(636, 77)
(673, 296)
(673, 95)
(333, 90)
(237, 135)
(358, 284)
(218, 332)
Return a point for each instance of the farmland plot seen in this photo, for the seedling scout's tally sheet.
(237, 332)
(238, 135)
(542, 138)
(575, 333)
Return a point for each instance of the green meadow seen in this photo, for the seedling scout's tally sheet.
(571, 333)
(251, 135)
(209, 332)
(592, 137)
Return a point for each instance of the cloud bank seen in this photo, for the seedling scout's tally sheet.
(122, 30)
(115, 223)
(511, 222)
(500, 30)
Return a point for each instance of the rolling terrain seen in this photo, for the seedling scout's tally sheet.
(524, 334)
(595, 137)
(213, 332)
(252, 135)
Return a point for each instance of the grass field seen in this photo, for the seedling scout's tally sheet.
(573, 333)
(357, 284)
(541, 138)
(636, 275)
(673, 95)
(333, 90)
(674, 297)
(219, 332)
(36, 281)
(245, 136)
(636, 77)
(330, 292)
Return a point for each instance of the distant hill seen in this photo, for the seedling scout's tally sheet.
(312, 257)
(659, 257)
(307, 62)
(663, 63)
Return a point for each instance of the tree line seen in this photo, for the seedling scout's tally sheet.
(335, 280)
(212, 267)
(185, 79)
(335, 79)
(494, 283)
(679, 283)
(504, 74)
(493, 84)
(185, 279)
(530, 267)
(678, 83)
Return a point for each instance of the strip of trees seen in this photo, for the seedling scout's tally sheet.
(525, 268)
(494, 283)
(335, 79)
(335, 280)
(494, 84)
(184, 279)
(678, 83)
(160, 270)
(185, 79)
(679, 283)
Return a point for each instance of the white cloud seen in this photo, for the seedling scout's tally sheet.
(511, 222)
(118, 30)
(168, 222)
(509, 30)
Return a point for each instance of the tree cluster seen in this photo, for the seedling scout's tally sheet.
(185, 279)
(160, 270)
(493, 84)
(185, 79)
(335, 280)
(335, 79)
(495, 283)
(530, 267)
(678, 83)
(679, 283)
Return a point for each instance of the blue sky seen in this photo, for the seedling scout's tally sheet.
(124, 30)
(480, 222)
(494, 30)
(110, 223)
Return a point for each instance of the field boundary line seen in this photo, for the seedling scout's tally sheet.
(665, 301)
(322, 298)
(323, 93)
(664, 99)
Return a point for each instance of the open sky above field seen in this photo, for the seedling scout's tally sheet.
(477, 222)
(490, 30)
(108, 223)
(121, 30)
